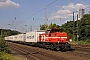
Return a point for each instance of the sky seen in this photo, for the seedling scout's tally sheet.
(20, 15)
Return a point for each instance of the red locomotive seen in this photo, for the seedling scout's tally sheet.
(54, 39)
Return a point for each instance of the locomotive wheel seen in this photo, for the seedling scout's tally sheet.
(47, 46)
(40, 45)
(67, 46)
(57, 48)
(43, 45)
(51, 47)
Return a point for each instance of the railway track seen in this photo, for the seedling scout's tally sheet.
(81, 51)
(35, 53)
(83, 48)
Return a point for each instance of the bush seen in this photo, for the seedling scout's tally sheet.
(3, 45)
(4, 50)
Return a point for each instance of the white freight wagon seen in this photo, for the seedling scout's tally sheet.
(16, 38)
(6, 38)
(11, 38)
(34, 36)
(22, 37)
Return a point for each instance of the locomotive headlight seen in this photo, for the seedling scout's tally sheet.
(70, 40)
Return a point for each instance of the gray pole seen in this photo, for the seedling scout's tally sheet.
(45, 18)
(26, 28)
(1, 32)
(77, 29)
(31, 28)
(73, 26)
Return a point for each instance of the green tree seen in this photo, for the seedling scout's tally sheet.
(8, 32)
(43, 27)
(4, 47)
(84, 26)
(53, 26)
(46, 27)
(68, 27)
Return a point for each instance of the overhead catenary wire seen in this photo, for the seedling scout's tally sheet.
(15, 18)
(37, 12)
(28, 6)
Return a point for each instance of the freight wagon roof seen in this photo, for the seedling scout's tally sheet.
(21, 34)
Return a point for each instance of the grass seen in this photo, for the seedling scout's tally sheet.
(84, 42)
(6, 56)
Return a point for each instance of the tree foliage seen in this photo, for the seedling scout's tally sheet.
(46, 27)
(68, 27)
(3, 45)
(53, 26)
(8, 32)
(83, 28)
(43, 27)
(76, 28)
